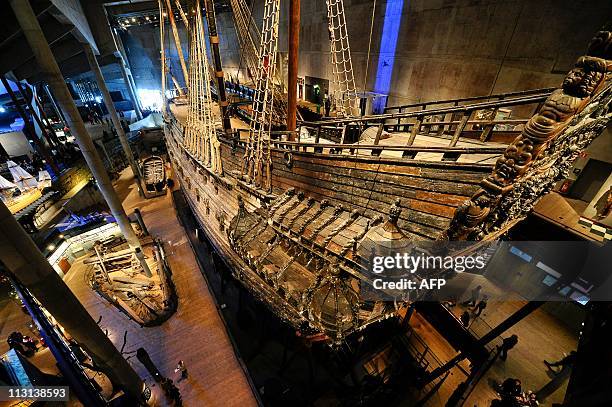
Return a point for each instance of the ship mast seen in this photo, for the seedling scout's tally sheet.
(214, 45)
(294, 44)
(177, 41)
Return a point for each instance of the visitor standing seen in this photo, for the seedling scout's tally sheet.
(507, 344)
(180, 367)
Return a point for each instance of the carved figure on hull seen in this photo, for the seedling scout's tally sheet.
(477, 217)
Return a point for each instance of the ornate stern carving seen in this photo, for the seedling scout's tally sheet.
(542, 154)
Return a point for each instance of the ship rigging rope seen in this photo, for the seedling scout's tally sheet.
(249, 41)
(263, 100)
(367, 68)
(342, 66)
(200, 134)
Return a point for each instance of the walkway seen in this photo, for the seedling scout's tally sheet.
(195, 334)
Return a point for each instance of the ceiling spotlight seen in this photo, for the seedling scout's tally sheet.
(51, 247)
(133, 19)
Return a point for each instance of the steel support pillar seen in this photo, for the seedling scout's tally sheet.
(488, 337)
(126, 73)
(108, 101)
(50, 70)
(44, 131)
(20, 255)
(29, 129)
(58, 112)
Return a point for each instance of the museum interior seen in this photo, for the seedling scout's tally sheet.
(306, 203)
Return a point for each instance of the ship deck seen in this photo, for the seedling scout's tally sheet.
(394, 139)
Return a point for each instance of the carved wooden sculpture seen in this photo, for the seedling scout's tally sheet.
(542, 154)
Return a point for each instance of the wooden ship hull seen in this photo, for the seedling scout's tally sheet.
(291, 218)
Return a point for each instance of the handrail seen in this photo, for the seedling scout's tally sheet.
(429, 112)
(498, 96)
(295, 146)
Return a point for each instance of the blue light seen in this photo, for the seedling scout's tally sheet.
(386, 57)
(514, 250)
(2, 109)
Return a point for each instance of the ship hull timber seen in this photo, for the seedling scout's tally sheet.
(296, 244)
(342, 198)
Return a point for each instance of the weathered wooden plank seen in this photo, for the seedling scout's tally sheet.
(415, 222)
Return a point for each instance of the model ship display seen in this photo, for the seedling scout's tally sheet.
(154, 175)
(291, 210)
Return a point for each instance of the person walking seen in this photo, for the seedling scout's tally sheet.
(567, 361)
(180, 367)
(327, 105)
(482, 304)
(475, 296)
(465, 319)
(507, 344)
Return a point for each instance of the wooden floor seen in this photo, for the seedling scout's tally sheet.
(195, 334)
(565, 213)
(541, 337)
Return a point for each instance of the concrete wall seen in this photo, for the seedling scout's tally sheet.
(444, 48)
(449, 48)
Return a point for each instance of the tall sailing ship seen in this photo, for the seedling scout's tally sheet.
(290, 211)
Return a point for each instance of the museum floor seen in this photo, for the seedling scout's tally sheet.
(197, 334)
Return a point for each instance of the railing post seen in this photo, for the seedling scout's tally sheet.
(377, 151)
(317, 137)
(399, 119)
(440, 129)
(415, 129)
(486, 132)
(460, 128)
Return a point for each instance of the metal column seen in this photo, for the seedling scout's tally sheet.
(108, 101)
(50, 70)
(20, 255)
(29, 129)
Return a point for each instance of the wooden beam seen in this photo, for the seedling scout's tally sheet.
(177, 41)
(294, 43)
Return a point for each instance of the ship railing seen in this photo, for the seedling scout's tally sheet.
(456, 102)
(240, 139)
(473, 121)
